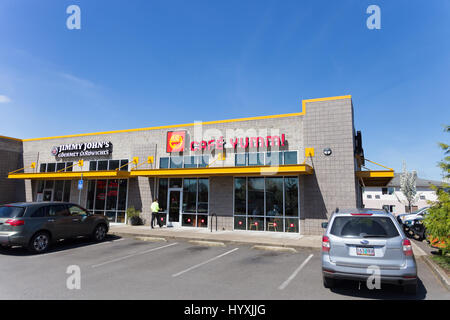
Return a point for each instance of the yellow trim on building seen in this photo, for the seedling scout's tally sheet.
(303, 112)
(109, 174)
(373, 178)
(10, 138)
(225, 171)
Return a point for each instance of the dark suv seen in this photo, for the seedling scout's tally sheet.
(36, 225)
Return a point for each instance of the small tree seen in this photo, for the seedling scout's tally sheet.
(408, 185)
(437, 221)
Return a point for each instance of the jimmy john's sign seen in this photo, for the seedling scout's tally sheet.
(85, 149)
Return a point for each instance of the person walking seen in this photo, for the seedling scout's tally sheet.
(155, 212)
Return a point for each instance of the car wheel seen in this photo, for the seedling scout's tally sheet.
(40, 242)
(410, 288)
(329, 283)
(99, 233)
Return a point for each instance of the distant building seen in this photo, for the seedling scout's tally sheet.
(392, 198)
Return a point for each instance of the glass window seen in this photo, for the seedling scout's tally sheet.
(203, 190)
(67, 187)
(49, 184)
(162, 193)
(69, 166)
(102, 165)
(51, 167)
(114, 164)
(40, 213)
(124, 163)
(274, 158)
(40, 186)
(176, 162)
(100, 195)
(291, 196)
(188, 220)
(290, 157)
(59, 211)
(111, 195)
(175, 182)
(92, 165)
(11, 212)
(384, 190)
(240, 159)
(391, 190)
(363, 227)
(190, 161)
(58, 192)
(240, 196)
(122, 202)
(164, 163)
(274, 196)
(240, 223)
(60, 166)
(291, 225)
(256, 197)
(274, 224)
(256, 224)
(202, 221)
(369, 196)
(90, 195)
(76, 210)
(256, 159)
(203, 161)
(190, 195)
(43, 167)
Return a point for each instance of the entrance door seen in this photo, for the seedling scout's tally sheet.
(174, 206)
(47, 195)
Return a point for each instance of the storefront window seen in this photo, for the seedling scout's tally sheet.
(162, 193)
(240, 196)
(60, 166)
(256, 197)
(272, 203)
(123, 190)
(163, 163)
(274, 196)
(51, 167)
(67, 187)
(190, 161)
(176, 162)
(90, 195)
(43, 167)
(189, 195)
(203, 161)
(92, 165)
(256, 159)
(114, 164)
(111, 202)
(203, 191)
(102, 165)
(274, 158)
(58, 191)
(240, 159)
(290, 157)
(100, 195)
(108, 198)
(291, 196)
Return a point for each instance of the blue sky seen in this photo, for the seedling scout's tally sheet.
(143, 63)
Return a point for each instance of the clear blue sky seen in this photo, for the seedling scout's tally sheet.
(144, 63)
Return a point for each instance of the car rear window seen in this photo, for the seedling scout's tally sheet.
(11, 212)
(364, 227)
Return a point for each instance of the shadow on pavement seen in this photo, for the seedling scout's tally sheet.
(61, 245)
(387, 291)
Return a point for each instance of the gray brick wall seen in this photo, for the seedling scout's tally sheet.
(11, 158)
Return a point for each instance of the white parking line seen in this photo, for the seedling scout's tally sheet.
(286, 283)
(132, 255)
(72, 249)
(203, 263)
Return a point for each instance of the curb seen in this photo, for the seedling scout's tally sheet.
(437, 270)
(274, 248)
(151, 239)
(234, 242)
(207, 243)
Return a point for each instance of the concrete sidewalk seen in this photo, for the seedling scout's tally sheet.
(245, 237)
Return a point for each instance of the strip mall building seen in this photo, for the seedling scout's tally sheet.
(280, 173)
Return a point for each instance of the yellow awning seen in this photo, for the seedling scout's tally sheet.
(225, 171)
(372, 178)
(70, 175)
(182, 172)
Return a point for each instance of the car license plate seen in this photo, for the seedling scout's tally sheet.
(365, 251)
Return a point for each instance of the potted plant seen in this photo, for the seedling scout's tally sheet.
(133, 216)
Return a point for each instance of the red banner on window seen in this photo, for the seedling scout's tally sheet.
(175, 141)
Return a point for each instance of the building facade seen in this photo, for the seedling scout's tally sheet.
(281, 173)
(391, 197)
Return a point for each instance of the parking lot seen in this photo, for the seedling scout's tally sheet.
(125, 268)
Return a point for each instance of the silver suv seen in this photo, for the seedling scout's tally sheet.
(356, 239)
(36, 225)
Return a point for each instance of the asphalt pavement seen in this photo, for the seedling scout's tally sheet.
(126, 268)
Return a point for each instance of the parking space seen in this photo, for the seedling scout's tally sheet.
(125, 268)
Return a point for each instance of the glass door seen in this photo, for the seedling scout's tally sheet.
(174, 205)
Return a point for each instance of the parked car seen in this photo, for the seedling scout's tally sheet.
(358, 238)
(416, 228)
(401, 218)
(35, 225)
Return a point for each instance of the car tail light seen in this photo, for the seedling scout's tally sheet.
(361, 214)
(407, 248)
(325, 244)
(15, 222)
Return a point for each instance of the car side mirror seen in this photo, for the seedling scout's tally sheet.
(324, 225)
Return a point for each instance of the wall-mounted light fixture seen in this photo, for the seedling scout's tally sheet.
(327, 151)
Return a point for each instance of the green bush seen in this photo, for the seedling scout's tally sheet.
(133, 216)
(437, 221)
